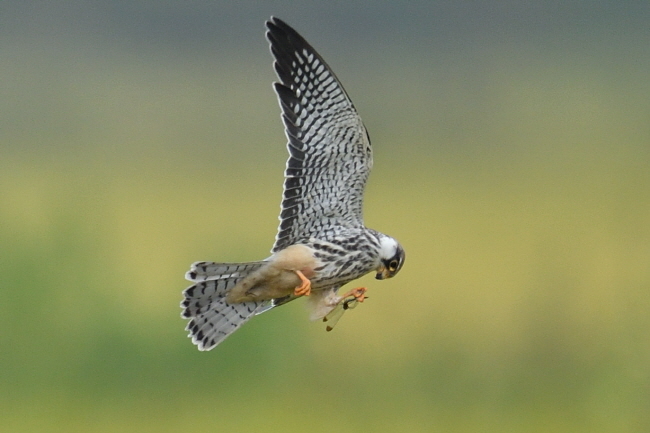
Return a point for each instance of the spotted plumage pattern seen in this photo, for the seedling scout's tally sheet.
(322, 242)
(330, 153)
(212, 319)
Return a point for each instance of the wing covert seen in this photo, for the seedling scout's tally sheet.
(330, 156)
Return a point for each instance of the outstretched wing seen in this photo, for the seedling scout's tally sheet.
(330, 156)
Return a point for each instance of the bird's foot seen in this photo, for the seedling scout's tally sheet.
(304, 289)
(346, 302)
(352, 297)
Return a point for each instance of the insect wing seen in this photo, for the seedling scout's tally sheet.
(333, 317)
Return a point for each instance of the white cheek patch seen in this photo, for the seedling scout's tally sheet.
(388, 248)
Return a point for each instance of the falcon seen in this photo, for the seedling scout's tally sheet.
(322, 242)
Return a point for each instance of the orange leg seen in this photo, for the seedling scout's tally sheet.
(359, 294)
(303, 289)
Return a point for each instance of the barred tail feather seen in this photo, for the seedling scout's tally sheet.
(204, 271)
(212, 319)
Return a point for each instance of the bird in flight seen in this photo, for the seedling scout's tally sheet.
(322, 242)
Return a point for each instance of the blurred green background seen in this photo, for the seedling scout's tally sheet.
(512, 156)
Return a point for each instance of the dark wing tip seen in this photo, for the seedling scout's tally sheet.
(275, 21)
(278, 28)
(285, 42)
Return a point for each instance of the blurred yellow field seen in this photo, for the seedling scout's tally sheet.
(519, 188)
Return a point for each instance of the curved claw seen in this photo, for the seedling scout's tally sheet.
(358, 295)
(346, 302)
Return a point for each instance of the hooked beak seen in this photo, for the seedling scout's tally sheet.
(382, 273)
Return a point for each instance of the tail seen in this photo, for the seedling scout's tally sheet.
(212, 318)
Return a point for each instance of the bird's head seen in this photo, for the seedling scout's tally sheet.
(391, 258)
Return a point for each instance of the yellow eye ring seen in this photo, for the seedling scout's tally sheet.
(392, 266)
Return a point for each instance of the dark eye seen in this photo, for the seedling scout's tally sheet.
(392, 266)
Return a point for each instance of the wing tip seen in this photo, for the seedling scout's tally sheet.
(274, 24)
